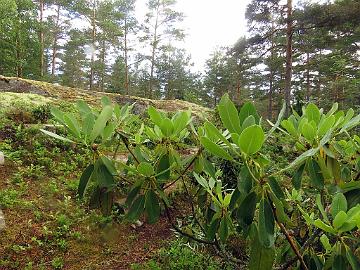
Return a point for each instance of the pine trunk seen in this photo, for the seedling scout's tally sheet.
(288, 68)
(41, 10)
(55, 45)
(93, 37)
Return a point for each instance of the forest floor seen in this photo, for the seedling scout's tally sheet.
(46, 228)
(47, 225)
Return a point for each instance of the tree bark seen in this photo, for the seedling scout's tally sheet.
(154, 47)
(93, 36)
(308, 76)
(41, 34)
(288, 68)
(126, 57)
(56, 36)
(103, 57)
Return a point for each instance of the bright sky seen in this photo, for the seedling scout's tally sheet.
(208, 24)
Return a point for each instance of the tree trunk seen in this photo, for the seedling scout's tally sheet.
(103, 54)
(288, 68)
(93, 36)
(41, 10)
(56, 36)
(126, 57)
(308, 94)
(271, 79)
(154, 47)
(19, 69)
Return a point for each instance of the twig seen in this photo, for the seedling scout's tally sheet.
(185, 170)
(288, 237)
(177, 229)
(126, 142)
(304, 246)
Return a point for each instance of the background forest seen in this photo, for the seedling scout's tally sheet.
(101, 45)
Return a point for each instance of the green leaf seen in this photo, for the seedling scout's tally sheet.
(163, 168)
(167, 127)
(54, 135)
(325, 242)
(215, 149)
(152, 206)
(248, 109)
(72, 124)
(214, 132)
(333, 109)
(212, 229)
(289, 126)
(339, 263)
(352, 259)
(261, 258)
(325, 125)
(278, 121)
(201, 181)
(338, 204)
(105, 101)
(224, 229)
(275, 187)
(245, 181)
(58, 115)
(314, 171)
(249, 121)
(327, 228)
(297, 177)
(155, 116)
(229, 115)
(180, 121)
(266, 224)
(145, 168)
(106, 202)
(100, 122)
(84, 179)
(137, 208)
(245, 212)
(83, 108)
(312, 113)
(251, 139)
(321, 208)
(102, 175)
(88, 124)
(132, 194)
(352, 123)
(339, 219)
(300, 159)
(309, 132)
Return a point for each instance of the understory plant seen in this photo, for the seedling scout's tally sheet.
(305, 215)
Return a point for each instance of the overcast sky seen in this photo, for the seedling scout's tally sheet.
(208, 24)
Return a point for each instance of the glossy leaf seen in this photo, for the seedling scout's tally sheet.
(137, 208)
(314, 171)
(152, 206)
(56, 136)
(100, 122)
(145, 168)
(214, 148)
(261, 258)
(297, 177)
(266, 224)
(275, 187)
(338, 204)
(251, 139)
(229, 114)
(245, 212)
(248, 109)
(84, 179)
(312, 113)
